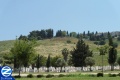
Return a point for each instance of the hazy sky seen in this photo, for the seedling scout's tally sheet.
(22, 16)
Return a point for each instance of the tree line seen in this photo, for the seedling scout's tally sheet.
(98, 37)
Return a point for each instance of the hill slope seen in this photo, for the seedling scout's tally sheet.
(55, 45)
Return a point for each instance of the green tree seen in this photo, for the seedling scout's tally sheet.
(118, 61)
(48, 63)
(65, 53)
(23, 52)
(53, 60)
(112, 53)
(103, 50)
(90, 61)
(38, 62)
(60, 63)
(79, 54)
(118, 38)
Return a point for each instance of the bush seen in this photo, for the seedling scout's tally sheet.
(49, 76)
(115, 45)
(96, 42)
(99, 74)
(29, 76)
(118, 74)
(39, 76)
(61, 75)
(92, 75)
(102, 42)
(17, 76)
(112, 75)
(68, 41)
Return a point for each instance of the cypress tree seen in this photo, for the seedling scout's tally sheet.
(112, 53)
(38, 62)
(48, 63)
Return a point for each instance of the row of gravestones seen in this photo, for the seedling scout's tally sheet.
(67, 69)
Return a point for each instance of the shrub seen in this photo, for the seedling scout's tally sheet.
(92, 75)
(96, 42)
(17, 76)
(68, 41)
(29, 76)
(112, 75)
(102, 42)
(118, 74)
(61, 75)
(49, 76)
(39, 76)
(99, 74)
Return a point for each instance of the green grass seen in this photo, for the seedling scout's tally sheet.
(74, 78)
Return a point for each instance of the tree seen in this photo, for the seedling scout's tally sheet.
(38, 62)
(112, 53)
(23, 37)
(48, 63)
(90, 61)
(118, 61)
(118, 38)
(103, 50)
(23, 52)
(60, 63)
(79, 54)
(65, 53)
(53, 61)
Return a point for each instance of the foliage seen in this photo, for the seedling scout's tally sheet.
(43, 34)
(61, 33)
(115, 45)
(17, 76)
(118, 61)
(68, 41)
(102, 42)
(103, 49)
(30, 76)
(22, 53)
(53, 61)
(118, 38)
(48, 63)
(38, 62)
(90, 61)
(60, 62)
(23, 37)
(61, 75)
(96, 42)
(99, 74)
(80, 53)
(65, 53)
(112, 75)
(49, 76)
(112, 53)
(39, 76)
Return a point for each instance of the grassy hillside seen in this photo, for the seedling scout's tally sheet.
(55, 45)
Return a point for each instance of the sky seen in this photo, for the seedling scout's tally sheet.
(23, 16)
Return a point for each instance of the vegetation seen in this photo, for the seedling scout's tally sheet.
(90, 62)
(73, 78)
(48, 63)
(112, 53)
(80, 53)
(55, 45)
